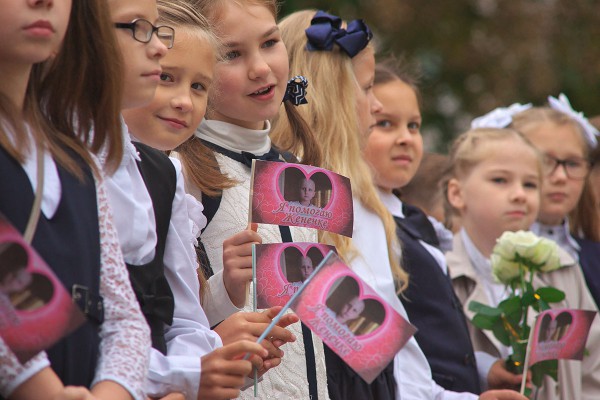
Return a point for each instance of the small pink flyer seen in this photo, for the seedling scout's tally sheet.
(351, 318)
(35, 309)
(560, 334)
(301, 195)
(281, 268)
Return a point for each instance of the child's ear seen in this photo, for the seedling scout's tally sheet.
(455, 194)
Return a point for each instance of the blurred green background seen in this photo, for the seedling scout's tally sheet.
(476, 55)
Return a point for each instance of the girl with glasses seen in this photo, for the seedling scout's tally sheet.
(568, 213)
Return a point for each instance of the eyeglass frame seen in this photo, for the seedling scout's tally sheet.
(132, 27)
(563, 162)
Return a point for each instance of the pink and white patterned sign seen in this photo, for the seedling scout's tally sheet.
(560, 334)
(352, 319)
(35, 309)
(301, 195)
(281, 268)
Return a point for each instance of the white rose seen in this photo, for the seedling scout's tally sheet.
(504, 270)
(552, 258)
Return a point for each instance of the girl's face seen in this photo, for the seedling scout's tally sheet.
(560, 193)
(366, 103)
(251, 82)
(140, 60)
(501, 192)
(31, 32)
(351, 310)
(306, 268)
(395, 146)
(307, 191)
(15, 281)
(180, 100)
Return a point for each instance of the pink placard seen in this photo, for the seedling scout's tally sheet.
(301, 195)
(35, 309)
(560, 334)
(282, 267)
(352, 319)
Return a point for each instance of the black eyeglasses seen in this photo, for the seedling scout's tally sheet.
(575, 168)
(143, 31)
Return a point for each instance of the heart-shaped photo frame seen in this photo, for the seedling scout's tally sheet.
(560, 334)
(351, 318)
(301, 195)
(281, 268)
(35, 309)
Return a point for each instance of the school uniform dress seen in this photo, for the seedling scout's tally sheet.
(411, 371)
(576, 379)
(149, 201)
(430, 301)
(585, 251)
(296, 377)
(77, 239)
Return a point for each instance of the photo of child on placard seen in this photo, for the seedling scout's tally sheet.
(301, 195)
(282, 268)
(35, 309)
(560, 334)
(352, 319)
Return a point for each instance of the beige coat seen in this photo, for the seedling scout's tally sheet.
(578, 380)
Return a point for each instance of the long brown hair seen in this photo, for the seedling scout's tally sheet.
(76, 91)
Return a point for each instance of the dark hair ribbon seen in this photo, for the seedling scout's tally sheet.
(325, 30)
(296, 90)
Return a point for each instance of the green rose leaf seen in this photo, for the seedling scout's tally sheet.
(484, 321)
(480, 308)
(539, 370)
(500, 333)
(550, 294)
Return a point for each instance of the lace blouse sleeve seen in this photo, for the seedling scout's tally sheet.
(125, 336)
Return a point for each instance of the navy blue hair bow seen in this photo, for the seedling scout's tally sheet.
(296, 90)
(326, 29)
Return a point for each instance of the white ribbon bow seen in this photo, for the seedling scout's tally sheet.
(500, 117)
(563, 105)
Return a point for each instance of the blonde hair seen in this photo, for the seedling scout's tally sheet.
(527, 120)
(331, 111)
(181, 14)
(584, 218)
(469, 150)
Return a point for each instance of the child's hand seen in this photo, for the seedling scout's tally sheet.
(74, 393)
(501, 395)
(501, 378)
(250, 325)
(237, 263)
(170, 396)
(223, 370)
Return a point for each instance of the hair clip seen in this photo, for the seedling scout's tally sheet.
(326, 29)
(500, 117)
(563, 105)
(296, 90)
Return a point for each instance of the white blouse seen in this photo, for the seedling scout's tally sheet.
(125, 337)
(411, 369)
(189, 336)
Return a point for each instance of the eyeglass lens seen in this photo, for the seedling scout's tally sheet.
(144, 29)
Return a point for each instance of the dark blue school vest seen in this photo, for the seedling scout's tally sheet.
(589, 259)
(434, 309)
(70, 245)
(148, 281)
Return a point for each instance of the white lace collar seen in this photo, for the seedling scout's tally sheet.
(235, 138)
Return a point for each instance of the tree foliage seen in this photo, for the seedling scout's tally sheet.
(476, 55)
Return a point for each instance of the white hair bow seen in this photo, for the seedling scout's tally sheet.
(563, 105)
(500, 117)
